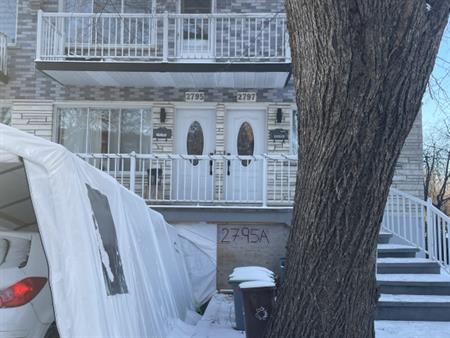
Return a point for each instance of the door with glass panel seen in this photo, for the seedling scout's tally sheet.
(245, 136)
(195, 29)
(195, 134)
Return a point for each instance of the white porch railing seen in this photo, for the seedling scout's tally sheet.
(419, 223)
(3, 54)
(203, 179)
(162, 37)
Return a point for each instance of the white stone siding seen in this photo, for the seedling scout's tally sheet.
(409, 169)
(34, 117)
(281, 175)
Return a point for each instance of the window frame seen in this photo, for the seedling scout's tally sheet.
(62, 3)
(16, 28)
(213, 6)
(120, 107)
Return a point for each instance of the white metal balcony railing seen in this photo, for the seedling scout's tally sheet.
(203, 179)
(260, 180)
(3, 54)
(162, 37)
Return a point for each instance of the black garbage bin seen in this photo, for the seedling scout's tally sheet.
(259, 299)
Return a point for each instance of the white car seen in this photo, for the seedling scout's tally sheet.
(26, 308)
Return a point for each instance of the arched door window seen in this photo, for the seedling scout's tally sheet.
(195, 140)
(245, 142)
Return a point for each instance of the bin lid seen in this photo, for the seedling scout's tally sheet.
(249, 276)
(256, 284)
(253, 268)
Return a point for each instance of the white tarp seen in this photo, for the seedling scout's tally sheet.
(116, 268)
(195, 238)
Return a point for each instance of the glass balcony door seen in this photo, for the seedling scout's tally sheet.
(196, 31)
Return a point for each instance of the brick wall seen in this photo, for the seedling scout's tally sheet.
(25, 82)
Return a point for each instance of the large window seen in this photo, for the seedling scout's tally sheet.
(5, 115)
(105, 130)
(8, 19)
(109, 6)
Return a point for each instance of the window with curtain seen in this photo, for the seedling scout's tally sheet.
(105, 130)
(8, 19)
(5, 115)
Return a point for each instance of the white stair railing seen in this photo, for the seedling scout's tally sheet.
(162, 37)
(419, 223)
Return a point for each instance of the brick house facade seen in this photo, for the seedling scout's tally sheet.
(32, 100)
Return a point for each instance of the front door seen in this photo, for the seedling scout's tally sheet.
(245, 136)
(195, 30)
(195, 134)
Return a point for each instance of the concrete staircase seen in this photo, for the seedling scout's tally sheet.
(412, 288)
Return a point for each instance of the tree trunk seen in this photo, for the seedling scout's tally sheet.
(360, 69)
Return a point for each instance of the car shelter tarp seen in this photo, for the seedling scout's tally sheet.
(117, 269)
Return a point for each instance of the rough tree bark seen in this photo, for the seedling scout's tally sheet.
(360, 69)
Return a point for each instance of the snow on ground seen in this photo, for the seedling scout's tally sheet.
(218, 321)
(442, 277)
(399, 329)
(414, 298)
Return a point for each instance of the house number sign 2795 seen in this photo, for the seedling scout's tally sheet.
(194, 96)
(246, 97)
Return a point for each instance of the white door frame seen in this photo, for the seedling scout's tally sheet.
(249, 187)
(196, 181)
(211, 38)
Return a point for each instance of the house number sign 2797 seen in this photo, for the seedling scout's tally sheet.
(194, 96)
(246, 97)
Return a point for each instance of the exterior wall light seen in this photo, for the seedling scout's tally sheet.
(279, 115)
(162, 115)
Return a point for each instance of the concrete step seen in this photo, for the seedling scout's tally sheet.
(407, 265)
(396, 251)
(384, 237)
(414, 284)
(413, 307)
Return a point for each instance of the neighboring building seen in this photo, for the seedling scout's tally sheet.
(183, 86)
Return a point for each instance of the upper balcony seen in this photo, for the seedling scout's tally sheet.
(3, 57)
(164, 50)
